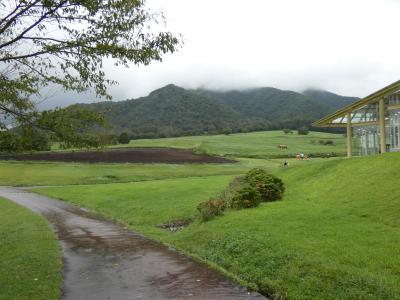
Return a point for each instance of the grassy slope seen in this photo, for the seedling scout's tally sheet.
(144, 204)
(30, 261)
(335, 236)
(255, 144)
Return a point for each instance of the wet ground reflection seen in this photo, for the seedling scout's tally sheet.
(105, 261)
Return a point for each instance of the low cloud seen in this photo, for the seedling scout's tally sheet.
(347, 47)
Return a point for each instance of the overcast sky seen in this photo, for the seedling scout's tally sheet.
(350, 47)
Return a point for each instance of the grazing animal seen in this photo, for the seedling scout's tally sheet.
(282, 146)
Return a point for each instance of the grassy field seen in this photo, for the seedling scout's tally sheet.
(41, 173)
(14, 173)
(255, 144)
(335, 235)
(30, 264)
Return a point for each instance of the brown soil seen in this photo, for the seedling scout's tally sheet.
(123, 155)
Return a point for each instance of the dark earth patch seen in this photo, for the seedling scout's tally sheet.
(123, 155)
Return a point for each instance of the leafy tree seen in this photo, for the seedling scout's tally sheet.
(9, 142)
(63, 42)
(71, 126)
(34, 139)
(123, 138)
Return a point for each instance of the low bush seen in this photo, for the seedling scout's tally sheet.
(244, 192)
(270, 187)
(211, 208)
(325, 155)
(287, 131)
(303, 131)
(230, 191)
(325, 142)
(246, 198)
(123, 138)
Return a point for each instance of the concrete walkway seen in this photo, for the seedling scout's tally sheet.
(104, 261)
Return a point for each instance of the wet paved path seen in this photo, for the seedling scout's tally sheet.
(104, 261)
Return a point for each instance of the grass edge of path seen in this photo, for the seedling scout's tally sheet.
(28, 244)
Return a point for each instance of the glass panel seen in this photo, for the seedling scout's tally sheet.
(394, 130)
(340, 120)
(393, 99)
(367, 113)
(369, 139)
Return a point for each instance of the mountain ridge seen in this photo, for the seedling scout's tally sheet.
(175, 111)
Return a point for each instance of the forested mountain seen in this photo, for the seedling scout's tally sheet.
(174, 111)
(332, 100)
(281, 108)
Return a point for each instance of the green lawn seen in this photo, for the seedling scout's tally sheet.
(335, 235)
(30, 264)
(144, 204)
(255, 144)
(16, 173)
(38, 173)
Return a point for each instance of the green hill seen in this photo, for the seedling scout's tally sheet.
(284, 108)
(173, 111)
(332, 100)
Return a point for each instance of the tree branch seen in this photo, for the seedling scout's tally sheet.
(15, 17)
(43, 17)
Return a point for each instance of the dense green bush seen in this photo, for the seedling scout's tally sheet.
(211, 208)
(245, 198)
(244, 192)
(10, 142)
(123, 138)
(303, 130)
(270, 187)
(23, 140)
(230, 191)
(287, 131)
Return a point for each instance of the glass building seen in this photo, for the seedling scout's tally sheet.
(375, 120)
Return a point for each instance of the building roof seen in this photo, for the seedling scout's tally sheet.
(327, 121)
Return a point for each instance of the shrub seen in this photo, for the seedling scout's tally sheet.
(230, 191)
(287, 131)
(254, 174)
(10, 142)
(326, 142)
(211, 209)
(123, 138)
(270, 187)
(245, 198)
(302, 130)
